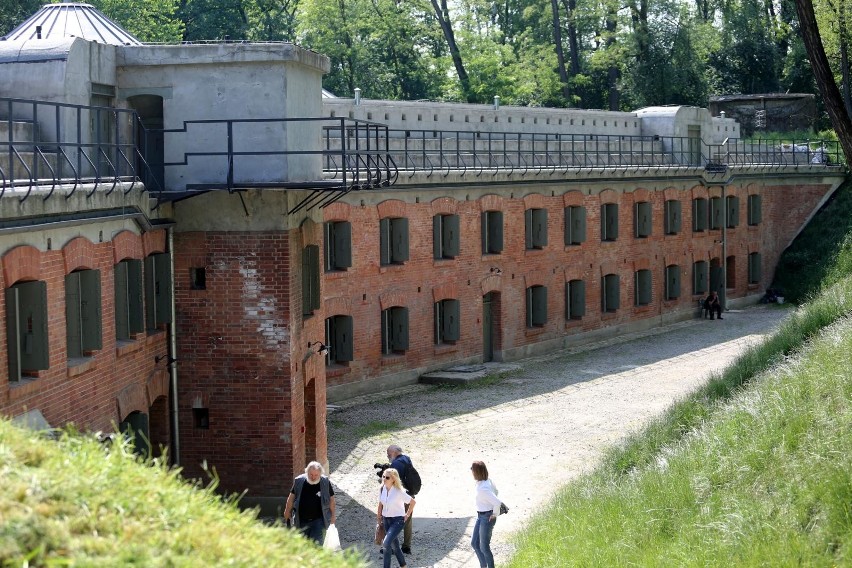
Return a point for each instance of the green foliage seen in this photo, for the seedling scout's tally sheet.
(76, 502)
(147, 20)
(14, 13)
(821, 254)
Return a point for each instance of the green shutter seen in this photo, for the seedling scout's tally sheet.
(612, 222)
(483, 231)
(495, 228)
(450, 328)
(306, 283)
(399, 236)
(569, 226)
(450, 236)
(386, 331)
(716, 279)
(342, 348)
(539, 222)
(699, 274)
(313, 258)
(673, 216)
(578, 220)
(73, 331)
(643, 287)
(384, 242)
(716, 212)
(672, 282)
(699, 214)
(642, 219)
(13, 333)
(754, 268)
(437, 237)
(150, 293)
(755, 213)
(578, 298)
(35, 351)
(90, 309)
(539, 305)
(342, 244)
(528, 229)
(604, 221)
(163, 286)
(611, 298)
(122, 302)
(733, 211)
(399, 317)
(135, 295)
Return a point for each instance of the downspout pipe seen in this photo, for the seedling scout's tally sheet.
(173, 372)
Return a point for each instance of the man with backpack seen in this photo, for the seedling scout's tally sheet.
(410, 481)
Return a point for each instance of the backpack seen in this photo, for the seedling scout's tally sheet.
(412, 482)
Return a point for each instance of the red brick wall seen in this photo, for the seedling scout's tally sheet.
(242, 345)
(86, 395)
(366, 288)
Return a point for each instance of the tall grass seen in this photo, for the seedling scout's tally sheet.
(754, 470)
(75, 502)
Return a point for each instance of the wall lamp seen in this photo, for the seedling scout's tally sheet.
(169, 360)
(322, 348)
(496, 270)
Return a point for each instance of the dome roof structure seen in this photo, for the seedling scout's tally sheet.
(68, 20)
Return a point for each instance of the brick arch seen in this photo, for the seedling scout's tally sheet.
(492, 202)
(752, 188)
(699, 255)
(337, 211)
(392, 298)
(700, 192)
(79, 253)
(491, 283)
(671, 193)
(535, 201)
(714, 191)
(446, 291)
(157, 385)
(338, 306)
(309, 231)
(154, 242)
(132, 398)
(22, 263)
(574, 273)
(641, 264)
(752, 247)
(536, 278)
(671, 259)
(392, 208)
(444, 206)
(609, 267)
(127, 244)
(640, 195)
(572, 197)
(609, 196)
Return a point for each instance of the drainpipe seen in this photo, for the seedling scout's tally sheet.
(173, 383)
(723, 296)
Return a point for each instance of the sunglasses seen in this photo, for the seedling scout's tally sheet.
(386, 477)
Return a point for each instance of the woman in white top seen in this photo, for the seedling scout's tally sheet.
(392, 512)
(487, 510)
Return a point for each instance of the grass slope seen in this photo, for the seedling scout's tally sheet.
(76, 502)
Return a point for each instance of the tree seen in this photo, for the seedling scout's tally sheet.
(824, 78)
(147, 20)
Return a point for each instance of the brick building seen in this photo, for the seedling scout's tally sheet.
(198, 246)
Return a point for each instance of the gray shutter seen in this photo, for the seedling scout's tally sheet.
(699, 214)
(450, 236)
(122, 302)
(539, 298)
(483, 231)
(755, 267)
(90, 309)
(673, 216)
(399, 317)
(386, 331)
(539, 218)
(314, 260)
(73, 330)
(135, 295)
(450, 328)
(163, 288)
(716, 279)
(399, 234)
(495, 228)
(150, 293)
(755, 213)
(569, 226)
(733, 211)
(342, 244)
(578, 298)
(612, 293)
(672, 282)
(612, 221)
(384, 241)
(643, 287)
(716, 212)
(578, 218)
(13, 330)
(528, 229)
(32, 326)
(306, 283)
(642, 219)
(604, 221)
(699, 285)
(437, 237)
(343, 349)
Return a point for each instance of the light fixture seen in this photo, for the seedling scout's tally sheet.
(322, 348)
(496, 270)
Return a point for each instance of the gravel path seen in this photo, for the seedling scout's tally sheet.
(551, 415)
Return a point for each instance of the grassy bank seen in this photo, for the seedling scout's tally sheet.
(753, 469)
(76, 502)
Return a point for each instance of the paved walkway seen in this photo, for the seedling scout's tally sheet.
(545, 423)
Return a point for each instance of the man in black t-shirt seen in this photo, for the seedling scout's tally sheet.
(311, 503)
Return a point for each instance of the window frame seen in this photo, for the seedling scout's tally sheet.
(643, 283)
(698, 275)
(575, 299)
(672, 281)
(755, 209)
(575, 225)
(340, 339)
(536, 306)
(732, 206)
(673, 216)
(700, 215)
(83, 313)
(491, 229)
(158, 290)
(27, 338)
(446, 235)
(446, 321)
(393, 241)
(755, 268)
(395, 330)
(642, 221)
(129, 299)
(337, 246)
(609, 222)
(535, 228)
(610, 293)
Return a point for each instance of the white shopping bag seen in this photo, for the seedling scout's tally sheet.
(332, 538)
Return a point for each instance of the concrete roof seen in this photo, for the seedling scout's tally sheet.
(69, 20)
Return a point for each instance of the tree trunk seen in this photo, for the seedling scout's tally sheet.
(843, 38)
(573, 44)
(443, 15)
(613, 73)
(824, 78)
(560, 54)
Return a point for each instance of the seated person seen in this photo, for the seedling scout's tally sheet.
(713, 306)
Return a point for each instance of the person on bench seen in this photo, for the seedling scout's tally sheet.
(713, 306)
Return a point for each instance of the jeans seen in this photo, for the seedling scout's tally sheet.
(393, 526)
(481, 541)
(314, 530)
